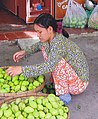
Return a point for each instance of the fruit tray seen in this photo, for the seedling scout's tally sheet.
(11, 93)
(35, 105)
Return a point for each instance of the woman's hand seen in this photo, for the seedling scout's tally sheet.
(14, 70)
(18, 55)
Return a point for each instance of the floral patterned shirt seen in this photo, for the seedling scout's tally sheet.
(60, 47)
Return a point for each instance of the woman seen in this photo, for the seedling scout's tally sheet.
(63, 59)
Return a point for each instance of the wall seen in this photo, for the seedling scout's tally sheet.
(10, 5)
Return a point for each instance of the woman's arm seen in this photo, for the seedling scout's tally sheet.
(34, 48)
(54, 56)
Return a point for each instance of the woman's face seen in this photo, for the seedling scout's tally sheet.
(43, 33)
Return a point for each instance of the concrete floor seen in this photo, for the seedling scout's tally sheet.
(84, 106)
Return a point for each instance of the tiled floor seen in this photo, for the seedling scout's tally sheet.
(9, 18)
(17, 35)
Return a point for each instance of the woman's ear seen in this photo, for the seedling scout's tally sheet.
(50, 29)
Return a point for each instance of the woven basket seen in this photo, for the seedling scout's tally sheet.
(38, 89)
(8, 100)
(23, 96)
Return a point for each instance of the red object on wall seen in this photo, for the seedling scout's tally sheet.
(96, 1)
(60, 8)
(81, 1)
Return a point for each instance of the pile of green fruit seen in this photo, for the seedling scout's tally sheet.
(18, 83)
(49, 88)
(74, 22)
(50, 107)
(93, 21)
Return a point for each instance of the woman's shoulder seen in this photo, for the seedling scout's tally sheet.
(66, 41)
(61, 38)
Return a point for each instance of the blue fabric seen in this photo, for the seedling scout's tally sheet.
(66, 98)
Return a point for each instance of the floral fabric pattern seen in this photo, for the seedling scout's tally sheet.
(60, 47)
(66, 80)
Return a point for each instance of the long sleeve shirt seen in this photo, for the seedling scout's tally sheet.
(60, 47)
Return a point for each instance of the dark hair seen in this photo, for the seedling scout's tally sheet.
(45, 20)
(64, 32)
